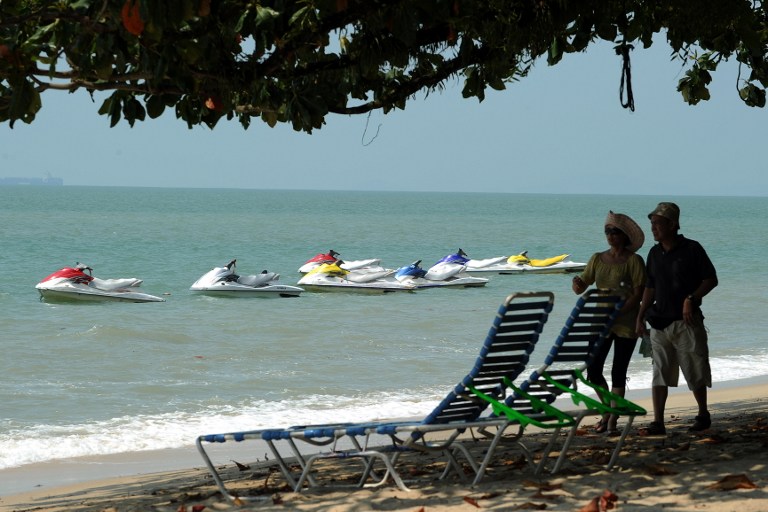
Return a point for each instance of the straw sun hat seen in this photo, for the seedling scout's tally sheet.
(629, 227)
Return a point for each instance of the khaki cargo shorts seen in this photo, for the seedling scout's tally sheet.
(681, 347)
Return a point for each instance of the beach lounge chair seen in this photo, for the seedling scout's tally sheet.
(530, 403)
(505, 352)
(561, 373)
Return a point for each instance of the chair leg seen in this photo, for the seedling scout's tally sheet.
(368, 471)
(284, 469)
(567, 444)
(370, 454)
(467, 455)
(548, 449)
(220, 482)
(452, 463)
(620, 443)
(391, 471)
(489, 454)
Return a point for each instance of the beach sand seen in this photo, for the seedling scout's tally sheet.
(722, 469)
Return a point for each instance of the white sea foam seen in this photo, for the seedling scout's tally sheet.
(176, 430)
(724, 369)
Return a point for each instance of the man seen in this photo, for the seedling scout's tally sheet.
(679, 276)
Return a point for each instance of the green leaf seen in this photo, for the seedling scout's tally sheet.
(581, 40)
(241, 20)
(752, 95)
(115, 108)
(264, 15)
(40, 36)
(555, 52)
(80, 4)
(106, 106)
(191, 50)
(155, 106)
(25, 102)
(102, 65)
(758, 98)
(270, 118)
(497, 83)
(301, 16)
(606, 31)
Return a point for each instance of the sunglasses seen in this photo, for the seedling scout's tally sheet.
(613, 231)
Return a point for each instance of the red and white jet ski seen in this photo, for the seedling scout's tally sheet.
(332, 257)
(73, 284)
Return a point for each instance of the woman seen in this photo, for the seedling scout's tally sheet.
(618, 267)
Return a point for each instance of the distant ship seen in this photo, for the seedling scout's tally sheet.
(47, 181)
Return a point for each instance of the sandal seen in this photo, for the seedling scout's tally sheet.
(600, 427)
(613, 433)
(654, 428)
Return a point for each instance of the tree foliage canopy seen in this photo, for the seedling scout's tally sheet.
(297, 61)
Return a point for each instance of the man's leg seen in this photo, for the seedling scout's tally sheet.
(694, 361)
(659, 396)
(703, 420)
(700, 394)
(665, 374)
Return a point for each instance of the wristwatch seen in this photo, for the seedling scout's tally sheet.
(693, 299)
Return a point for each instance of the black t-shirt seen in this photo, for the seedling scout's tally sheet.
(673, 276)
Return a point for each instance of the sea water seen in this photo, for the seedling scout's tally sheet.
(107, 378)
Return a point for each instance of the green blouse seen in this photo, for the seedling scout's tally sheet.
(625, 276)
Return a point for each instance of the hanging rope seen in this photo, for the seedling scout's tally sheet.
(362, 140)
(626, 76)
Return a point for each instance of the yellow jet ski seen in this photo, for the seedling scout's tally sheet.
(523, 259)
(520, 263)
(333, 277)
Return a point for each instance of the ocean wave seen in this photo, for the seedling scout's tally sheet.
(179, 429)
(724, 369)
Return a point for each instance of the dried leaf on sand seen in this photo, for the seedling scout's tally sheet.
(731, 482)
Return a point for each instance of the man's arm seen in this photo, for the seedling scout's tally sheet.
(645, 303)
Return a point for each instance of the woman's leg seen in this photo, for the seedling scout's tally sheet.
(597, 365)
(623, 348)
(595, 376)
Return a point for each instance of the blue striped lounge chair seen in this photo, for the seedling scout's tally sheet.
(503, 356)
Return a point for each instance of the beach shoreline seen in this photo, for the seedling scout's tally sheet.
(67, 484)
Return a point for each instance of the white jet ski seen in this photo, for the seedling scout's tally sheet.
(333, 277)
(223, 281)
(72, 284)
(446, 272)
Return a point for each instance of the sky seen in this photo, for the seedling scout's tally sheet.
(560, 130)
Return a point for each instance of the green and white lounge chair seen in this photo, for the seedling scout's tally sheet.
(584, 331)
